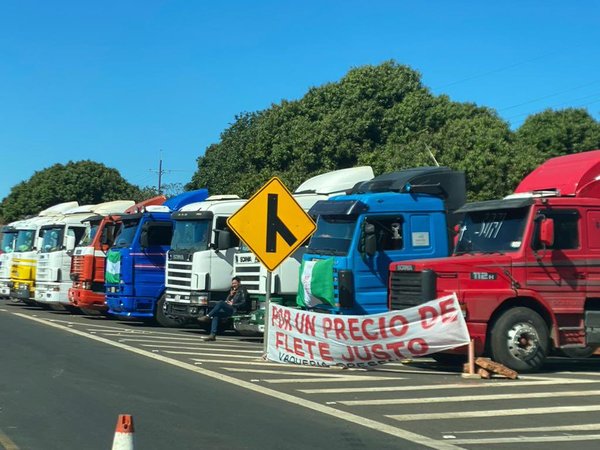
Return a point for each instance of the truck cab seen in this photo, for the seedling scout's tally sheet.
(524, 268)
(23, 270)
(396, 216)
(135, 265)
(58, 241)
(200, 261)
(89, 257)
(9, 239)
(284, 286)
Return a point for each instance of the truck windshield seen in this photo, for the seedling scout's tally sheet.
(244, 247)
(191, 235)
(333, 235)
(90, 233)
(52, 239)
(25, 239)
(495, 231)
(8, 242)
(126, 233)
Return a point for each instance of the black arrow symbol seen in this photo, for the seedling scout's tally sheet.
(275, 226)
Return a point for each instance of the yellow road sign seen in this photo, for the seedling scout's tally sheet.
(272, 224)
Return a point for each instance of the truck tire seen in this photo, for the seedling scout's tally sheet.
(162, 319)
(519, 339)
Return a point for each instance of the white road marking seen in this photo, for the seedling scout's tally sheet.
(251, 357)
(343, 415)
(320, 380)
(466, 398)
(580, 427)
(495, 413)
(284, 372)
(202, 347)
(479, 385)
(200, 353)
(522, 439)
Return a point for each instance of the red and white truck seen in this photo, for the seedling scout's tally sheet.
(526, 268)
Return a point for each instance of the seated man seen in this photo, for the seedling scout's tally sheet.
(237, 298)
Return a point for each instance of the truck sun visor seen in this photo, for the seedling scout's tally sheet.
(496, 205)
(192, 215)
(341, 208)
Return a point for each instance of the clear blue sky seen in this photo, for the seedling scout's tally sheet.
(117, 81)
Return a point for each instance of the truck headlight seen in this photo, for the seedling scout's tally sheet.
(203, 300)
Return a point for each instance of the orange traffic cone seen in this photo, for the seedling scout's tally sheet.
(124, 433)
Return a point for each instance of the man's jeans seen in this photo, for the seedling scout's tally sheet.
(221, 310)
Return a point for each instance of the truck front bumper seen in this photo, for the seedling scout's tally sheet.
(83, 298)
(22, 292)
(184, 310)
(48, 295)
(131, 307)
(253, 323)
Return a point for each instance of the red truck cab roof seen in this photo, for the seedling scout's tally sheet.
(575, 175)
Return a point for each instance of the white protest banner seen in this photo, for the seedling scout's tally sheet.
(314, 339)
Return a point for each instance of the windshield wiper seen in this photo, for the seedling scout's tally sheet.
(326, 251)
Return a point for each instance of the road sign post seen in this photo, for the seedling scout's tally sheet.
(273, 225)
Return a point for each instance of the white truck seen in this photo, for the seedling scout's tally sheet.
(200, 262)
(58, 240)
(23, 269)
(284, 282)
(9, 239)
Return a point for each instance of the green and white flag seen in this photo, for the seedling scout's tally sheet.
(316, 283)
(113, 267)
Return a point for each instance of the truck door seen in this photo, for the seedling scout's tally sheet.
(149, 264)
(592, 226)
(558, 272)
(371, 272)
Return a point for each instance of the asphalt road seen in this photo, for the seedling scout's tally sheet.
(64, 379)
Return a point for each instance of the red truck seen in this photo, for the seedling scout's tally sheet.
(88, 261)
(526, 269)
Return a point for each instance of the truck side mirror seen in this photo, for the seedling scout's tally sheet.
(547, 232)
(69, 243)
(223, 240)
(370, 243)
(144, 239)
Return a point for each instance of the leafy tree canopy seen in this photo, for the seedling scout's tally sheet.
(87, 182)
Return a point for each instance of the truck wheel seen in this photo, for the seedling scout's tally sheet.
(519, 340)
(162, 319)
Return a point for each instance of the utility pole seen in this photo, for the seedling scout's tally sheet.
(160, 172)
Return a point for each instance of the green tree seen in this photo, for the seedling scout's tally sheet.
(377, 115)
(553, 133)
(87, 182)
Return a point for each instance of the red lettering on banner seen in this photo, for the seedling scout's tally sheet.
(327, 326)
(402, 331)
(350, 355)
(298, 347)
(379, 353)
(325, 352)
(365, 330)
(449, 313)
(353, 329)
(418, 346)
(278, 339)
(310, 345)
(310, 325)
(340, 328)
(429, 316)
(395, 347)
(367, 356)
(382, 329)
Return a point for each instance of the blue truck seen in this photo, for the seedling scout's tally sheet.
(393, 217)
(135, 265)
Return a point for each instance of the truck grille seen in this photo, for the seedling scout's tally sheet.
(43, 274)
(179, 275)
(250, 276)
(77, 266)
(408, 289)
